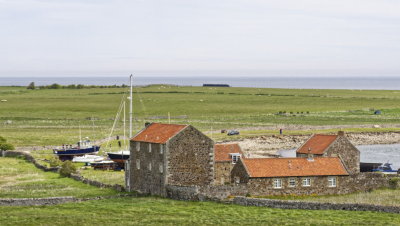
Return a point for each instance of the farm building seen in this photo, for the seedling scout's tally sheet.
(332, 146)
(169, 154)
(280, 176)
(226, 156)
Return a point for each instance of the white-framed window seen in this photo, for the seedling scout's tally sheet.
(306, 182)
(138, 163)
(277, 183)
(161, 148)
(292, 182)
(331, 182)
(150, 147)
(137, 146)
(161, 168)
(235, 157)
(149, 166)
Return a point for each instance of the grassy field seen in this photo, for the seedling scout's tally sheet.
(45, 117)
(158, 211)
(382, 197)
(20, 179)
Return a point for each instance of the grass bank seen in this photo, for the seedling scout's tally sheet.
(158, 211)
(20, 179)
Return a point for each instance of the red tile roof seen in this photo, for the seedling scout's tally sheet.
(222, 151)
(317, 144)
(293, 167)
(158, 133)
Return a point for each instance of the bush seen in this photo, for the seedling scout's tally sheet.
(6, 146)
(67, 168)
(54, 161)
(394, 182)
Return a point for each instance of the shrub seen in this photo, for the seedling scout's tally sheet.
(6, 146)
(394, 182)
(54, 161)
(31, 85)
(67, 168)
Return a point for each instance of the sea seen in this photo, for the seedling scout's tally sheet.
(355, 83)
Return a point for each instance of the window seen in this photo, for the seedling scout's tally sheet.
(292, 182)
(235, 157)
(150, 147)
(161, 148)
(277, 183)
(307, 182)
(331, 182)
(237, 180)
(149, 166)
(161, 168)
(138, 163)
(137, 146)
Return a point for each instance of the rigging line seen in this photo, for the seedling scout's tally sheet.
(116, 118)
(142, 103)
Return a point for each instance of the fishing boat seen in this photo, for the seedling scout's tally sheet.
(68, 152)
(385, 168)
(121, 156)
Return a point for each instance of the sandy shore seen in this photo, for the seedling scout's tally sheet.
(269, 145)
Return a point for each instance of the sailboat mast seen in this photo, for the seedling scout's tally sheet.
(130, 108)
(124, 127)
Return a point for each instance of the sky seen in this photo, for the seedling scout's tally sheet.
(199, 38)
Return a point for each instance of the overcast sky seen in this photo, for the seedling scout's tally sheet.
(199, 37)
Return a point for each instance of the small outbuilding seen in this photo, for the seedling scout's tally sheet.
(226, 156)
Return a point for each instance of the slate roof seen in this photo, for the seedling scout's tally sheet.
(317, 144)
(158, 133)
(222, 151)
(293, 167)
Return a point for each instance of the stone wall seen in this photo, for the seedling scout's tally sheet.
(239, 173)
(29, 158)
(190, 159)
(36, 201)
(116, 187)
(284, 204)
(319, 184)
(347, 152)
(147, 168)
(222, 172)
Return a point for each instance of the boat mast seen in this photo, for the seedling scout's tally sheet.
(124, 129)
(130, 108)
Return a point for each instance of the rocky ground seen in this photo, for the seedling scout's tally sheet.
(269, 145)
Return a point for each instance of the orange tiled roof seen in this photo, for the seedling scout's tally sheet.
(158, 133)
(222, 151)
(317, 144)
(293, 167)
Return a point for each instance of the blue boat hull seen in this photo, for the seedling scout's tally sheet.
(69, 154)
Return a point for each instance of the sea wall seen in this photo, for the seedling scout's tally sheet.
(284, 204)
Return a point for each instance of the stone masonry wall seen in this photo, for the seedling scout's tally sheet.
(147, 168)
(239, 172)
(222, 172)
(347, 152)
(190, 159)
(284, 204)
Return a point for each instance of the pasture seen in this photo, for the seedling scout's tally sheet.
(53, 116)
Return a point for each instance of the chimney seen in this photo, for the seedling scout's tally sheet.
(340, 133)
(310, 156)
(290, 164)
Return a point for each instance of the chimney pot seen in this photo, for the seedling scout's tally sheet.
(341, 133)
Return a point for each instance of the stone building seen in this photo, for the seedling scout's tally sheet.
(226, 156)
(320, 145)
(168, 154)
(298, 176)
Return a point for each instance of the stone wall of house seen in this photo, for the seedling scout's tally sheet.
(147, 168)
(319, 184)
(239, 173)
(285, 204)
(222, 172)
(347, 152)
(190, 159)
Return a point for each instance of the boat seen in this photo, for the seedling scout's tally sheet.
(120, 157)
(385, 168)
(88, 159)
(68, 152)
(369, 166)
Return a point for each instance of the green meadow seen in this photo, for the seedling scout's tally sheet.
(53, 116)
